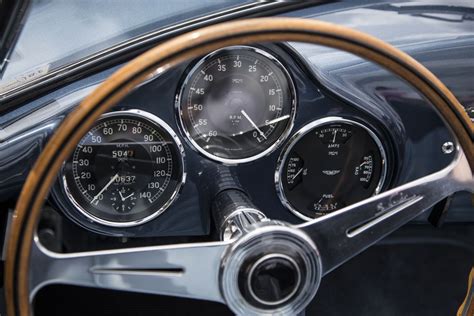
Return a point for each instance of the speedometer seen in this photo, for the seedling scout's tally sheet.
(126, 170)
(237, 104)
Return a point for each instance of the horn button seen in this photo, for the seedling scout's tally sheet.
(273, 269)
(271, 280)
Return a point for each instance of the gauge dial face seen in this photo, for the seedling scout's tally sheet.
(126, 170)
(237, 104)
(330, 164)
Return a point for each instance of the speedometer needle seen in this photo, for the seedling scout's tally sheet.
(253, 124)
(105, 187)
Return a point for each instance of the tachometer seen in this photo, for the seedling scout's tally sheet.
(329, 164)
(237, 104)
(126, 170)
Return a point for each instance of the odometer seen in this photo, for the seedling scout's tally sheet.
(126, 170)
(329, 164)
(237, 104)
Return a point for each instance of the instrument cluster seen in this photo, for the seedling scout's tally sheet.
(234, 106)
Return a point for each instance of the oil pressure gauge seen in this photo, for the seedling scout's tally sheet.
(329, 164)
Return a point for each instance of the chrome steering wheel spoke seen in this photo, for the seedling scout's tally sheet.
(343, 234)
(186, 270)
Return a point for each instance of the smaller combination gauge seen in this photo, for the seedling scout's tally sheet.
(329, 164)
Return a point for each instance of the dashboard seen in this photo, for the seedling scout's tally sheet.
(305, 130)
(257, 112)
(233, 107)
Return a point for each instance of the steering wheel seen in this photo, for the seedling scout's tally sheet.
(231, 271)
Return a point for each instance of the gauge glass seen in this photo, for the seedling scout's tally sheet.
(329, 164)
(237, 104)
(126, 170)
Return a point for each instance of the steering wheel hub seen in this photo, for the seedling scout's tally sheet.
(272, 269)
(272, 280)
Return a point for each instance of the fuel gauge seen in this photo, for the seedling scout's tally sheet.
(329, 164)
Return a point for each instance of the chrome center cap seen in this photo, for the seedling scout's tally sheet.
(272, 279)
(273, 269)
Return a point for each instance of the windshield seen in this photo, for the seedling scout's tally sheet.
(58, 33)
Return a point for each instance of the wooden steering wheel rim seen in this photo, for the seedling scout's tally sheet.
(171, 53)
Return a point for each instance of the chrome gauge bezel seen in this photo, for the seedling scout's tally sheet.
(179, 146)
(305, 130)
(271, 148)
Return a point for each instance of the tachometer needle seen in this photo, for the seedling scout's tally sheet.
(105, 187)
(253, 124)
(278, 119)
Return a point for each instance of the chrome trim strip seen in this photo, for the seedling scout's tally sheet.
(305, 130)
